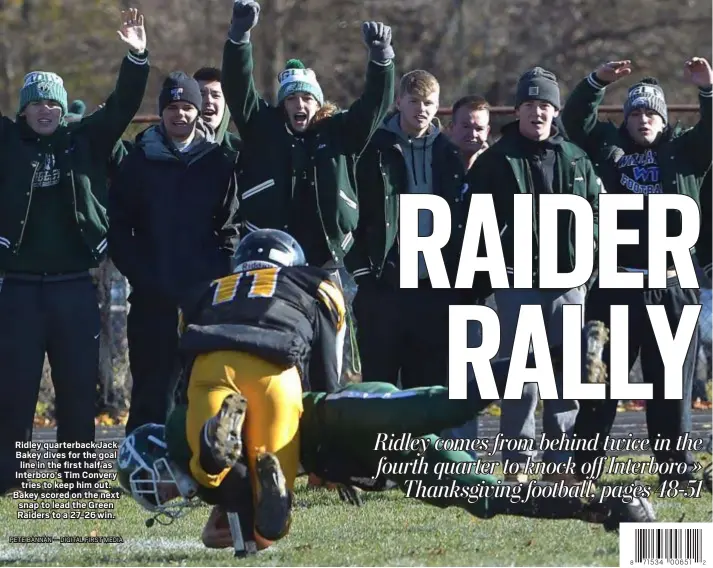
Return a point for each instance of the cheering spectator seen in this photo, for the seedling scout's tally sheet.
(296, 171)
(172, 210)
(53, 229)
(214, 111)
(643, 156)
(405, 331)
(470, 127)
(533, 158)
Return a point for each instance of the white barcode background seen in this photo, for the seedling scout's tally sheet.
(642, 542)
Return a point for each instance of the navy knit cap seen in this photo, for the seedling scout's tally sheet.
(179, 86)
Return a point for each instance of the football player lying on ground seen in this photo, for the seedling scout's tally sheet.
(359, 413)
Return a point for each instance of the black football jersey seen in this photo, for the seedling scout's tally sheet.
(290, 316)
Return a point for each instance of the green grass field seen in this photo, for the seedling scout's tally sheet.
(389, 530)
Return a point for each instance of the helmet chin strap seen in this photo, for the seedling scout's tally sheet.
(188, 489)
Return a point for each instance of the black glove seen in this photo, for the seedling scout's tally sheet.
(245, 17)
(350, 494)
(377, 38)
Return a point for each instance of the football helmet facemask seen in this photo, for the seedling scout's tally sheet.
(146, 472)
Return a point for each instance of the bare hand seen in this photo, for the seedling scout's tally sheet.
(698, 71)
(132, 30)
(613, 71)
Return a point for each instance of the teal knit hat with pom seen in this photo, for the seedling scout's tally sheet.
(43, 85)
(297, 79)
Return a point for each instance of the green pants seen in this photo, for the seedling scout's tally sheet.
(357, 423)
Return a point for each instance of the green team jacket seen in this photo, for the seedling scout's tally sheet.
(684, 155)
(503, 172)
(271, 160)
(82, 152)
(382, 175)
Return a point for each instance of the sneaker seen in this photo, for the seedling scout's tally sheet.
(595, 338)
(274, 505)
(223, 432)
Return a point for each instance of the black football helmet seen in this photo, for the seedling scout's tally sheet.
(267, 248)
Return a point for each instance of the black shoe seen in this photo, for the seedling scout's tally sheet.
(223, 433)
(613, 511)
(274, 504)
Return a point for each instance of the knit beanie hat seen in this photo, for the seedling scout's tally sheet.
(646, 94)
(43, 85)
(538, 84)
(297, 79)
(179, 86)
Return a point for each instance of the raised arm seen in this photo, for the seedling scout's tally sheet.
(241, 96)
(697, 140)
(580, 115)
(365, 115)
(107, 124)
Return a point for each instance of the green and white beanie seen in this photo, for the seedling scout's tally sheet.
(297, 79)
(42, 85)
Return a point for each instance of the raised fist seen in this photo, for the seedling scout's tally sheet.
(245, 17)
(377, 38)
(613, 71)
(698, 72)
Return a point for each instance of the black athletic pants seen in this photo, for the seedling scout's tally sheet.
(59, 316)
(152, 334)
(666, 419)
(403, 330)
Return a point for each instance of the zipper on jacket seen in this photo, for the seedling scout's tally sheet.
(27, 211)
(319, 211)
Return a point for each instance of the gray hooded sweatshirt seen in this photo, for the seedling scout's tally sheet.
(418, 154)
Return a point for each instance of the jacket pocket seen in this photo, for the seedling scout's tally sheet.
(258, 188)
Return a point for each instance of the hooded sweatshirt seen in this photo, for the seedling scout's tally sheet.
(418, 155)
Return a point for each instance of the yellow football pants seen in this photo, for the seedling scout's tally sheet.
(274, 407)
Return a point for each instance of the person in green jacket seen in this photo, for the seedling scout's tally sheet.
(297, 169)
(533, 157)
(645, 155)
(53, 226)
(296, 172)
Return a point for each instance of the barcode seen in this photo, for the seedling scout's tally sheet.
(664, 541)
(668, 544)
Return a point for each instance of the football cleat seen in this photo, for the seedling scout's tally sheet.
(223, 432)
(595, 338)
(274, 505)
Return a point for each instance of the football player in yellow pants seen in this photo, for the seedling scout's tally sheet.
(256, 338)
(266, 401)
